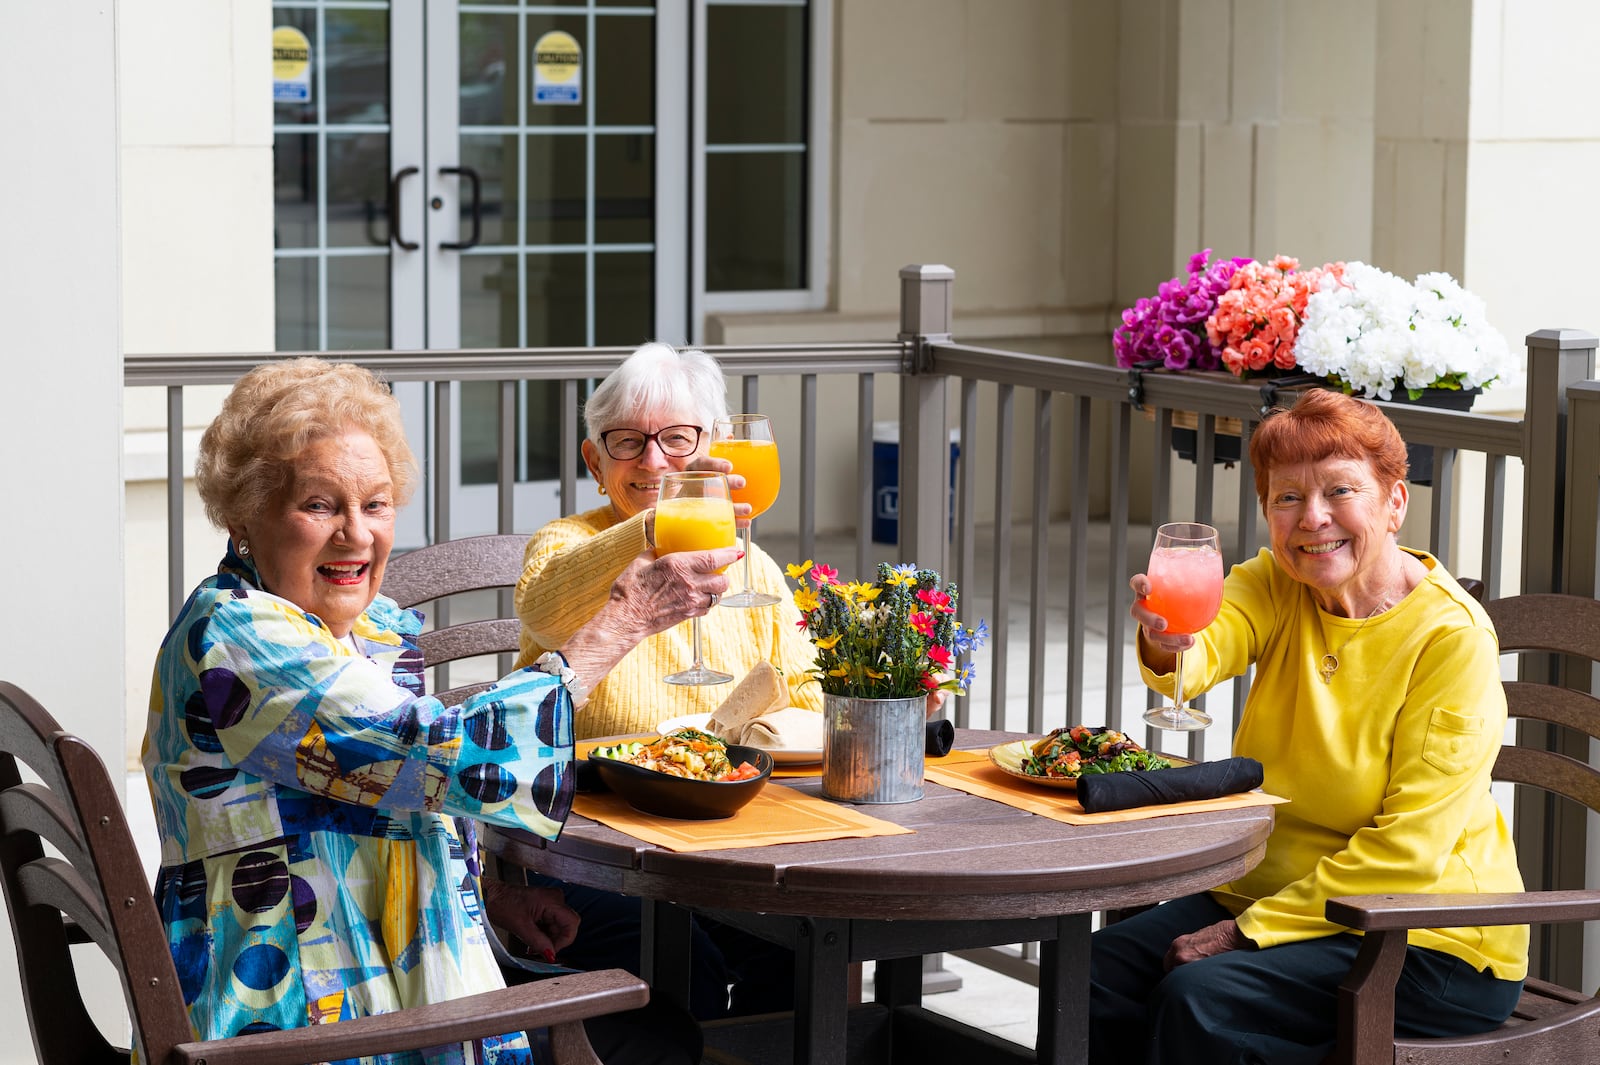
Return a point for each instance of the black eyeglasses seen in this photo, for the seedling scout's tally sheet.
(675, 441)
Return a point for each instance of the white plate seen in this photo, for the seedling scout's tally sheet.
(780, 755)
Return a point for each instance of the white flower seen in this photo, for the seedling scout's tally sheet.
(1375, 332)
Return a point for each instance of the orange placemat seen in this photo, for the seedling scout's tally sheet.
(776, 815)
(977, 775)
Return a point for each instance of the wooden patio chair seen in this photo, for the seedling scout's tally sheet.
(473, 563)
(91, 889)
(1551, 1023)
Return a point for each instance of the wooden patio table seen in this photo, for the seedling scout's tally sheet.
(974, 873)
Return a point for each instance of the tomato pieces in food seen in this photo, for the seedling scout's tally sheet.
(1067, 753)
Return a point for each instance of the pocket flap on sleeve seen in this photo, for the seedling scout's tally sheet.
(1451, 743)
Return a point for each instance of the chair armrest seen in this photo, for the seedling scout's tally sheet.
(1385, 913)
(540, 1004)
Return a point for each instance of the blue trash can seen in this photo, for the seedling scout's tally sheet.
(886, 481)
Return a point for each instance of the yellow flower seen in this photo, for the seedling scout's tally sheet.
(828, 643)
(842, 671)
(862, 593)
(900, 578)
(798, 572)
(806, 600)
(874, 674)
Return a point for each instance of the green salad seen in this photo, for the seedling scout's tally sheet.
(1068, 753)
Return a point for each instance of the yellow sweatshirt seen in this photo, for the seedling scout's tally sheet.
(567, 574)
(1386, 766)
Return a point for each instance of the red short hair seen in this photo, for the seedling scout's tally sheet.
(1327, 425)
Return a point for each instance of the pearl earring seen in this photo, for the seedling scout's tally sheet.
(244, 548)
(601, 489)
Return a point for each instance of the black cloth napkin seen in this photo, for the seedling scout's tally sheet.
(1190, 783)
(941, 736)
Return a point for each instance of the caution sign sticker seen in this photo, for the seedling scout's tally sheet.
(557, 69)
(291, 66)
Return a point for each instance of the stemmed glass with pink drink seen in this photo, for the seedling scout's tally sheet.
(1186, 589)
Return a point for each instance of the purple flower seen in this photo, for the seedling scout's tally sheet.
(1170, 328)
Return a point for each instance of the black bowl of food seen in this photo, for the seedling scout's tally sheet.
(685, 774)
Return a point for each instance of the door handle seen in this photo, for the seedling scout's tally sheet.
(477, 207)
(394, 208)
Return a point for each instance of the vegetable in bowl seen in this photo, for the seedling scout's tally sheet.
(685, 752)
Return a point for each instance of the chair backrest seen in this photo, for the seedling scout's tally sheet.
(471, 564)
(1561, 625)
(95, 891)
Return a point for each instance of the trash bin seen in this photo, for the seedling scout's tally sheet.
(886, 481)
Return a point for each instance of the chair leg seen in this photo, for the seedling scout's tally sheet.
(569, 1045)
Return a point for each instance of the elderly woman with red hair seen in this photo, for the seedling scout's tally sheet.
(1376, 709)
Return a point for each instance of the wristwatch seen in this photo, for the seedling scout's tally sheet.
(555, 664)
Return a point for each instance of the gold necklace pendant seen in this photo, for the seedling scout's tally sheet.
(1330, 666)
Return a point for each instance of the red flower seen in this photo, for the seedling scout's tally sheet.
(940, 656)
(824, 574)
(922, 622)
(937, 600)
(929, 681)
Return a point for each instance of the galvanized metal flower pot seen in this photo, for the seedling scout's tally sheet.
(872, 748)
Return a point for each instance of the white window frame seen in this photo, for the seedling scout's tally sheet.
(819, 229)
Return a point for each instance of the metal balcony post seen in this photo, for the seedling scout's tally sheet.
(924, 434)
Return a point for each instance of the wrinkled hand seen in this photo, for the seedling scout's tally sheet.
(658, 593)
(1153, 624)
(741, 511)
(1207, 942)
(935, 702)
(539, 916)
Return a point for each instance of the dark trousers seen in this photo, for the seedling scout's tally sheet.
(732, 973)
(654, 1034)
(1277, 1005)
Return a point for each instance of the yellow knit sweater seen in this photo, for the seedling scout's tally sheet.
(567, 574)
(1386, 766)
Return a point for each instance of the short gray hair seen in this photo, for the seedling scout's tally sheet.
(658, 377)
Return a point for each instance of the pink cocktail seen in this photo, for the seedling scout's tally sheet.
(1186, 590)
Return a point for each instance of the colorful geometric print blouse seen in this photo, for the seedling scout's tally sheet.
(304, 793)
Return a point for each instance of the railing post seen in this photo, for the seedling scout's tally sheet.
(1582, 567)
(924, 434)
(1556, 358)
(1552, 839)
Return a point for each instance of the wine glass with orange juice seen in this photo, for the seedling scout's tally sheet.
(1186, 589)
(746, 441)
(694, 512)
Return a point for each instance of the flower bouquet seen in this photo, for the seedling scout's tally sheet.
(1373, 333)
(894, 638)
(1257, 320)
(1171, 326)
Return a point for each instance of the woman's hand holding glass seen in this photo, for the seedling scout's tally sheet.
(744, 442)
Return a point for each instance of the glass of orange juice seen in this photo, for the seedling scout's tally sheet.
(746, 441)
(694, 512)
(1186, 589)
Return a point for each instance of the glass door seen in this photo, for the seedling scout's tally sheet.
(480, 175)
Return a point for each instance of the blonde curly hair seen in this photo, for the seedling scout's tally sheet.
(274, 412)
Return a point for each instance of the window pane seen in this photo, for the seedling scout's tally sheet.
(296, 284)
(624, 188)
(480, 432)
(559, 114)
(624, 298)
(356, 67)
(358, 189)
(495, 160)
(755, 75)
(294, 179)
(490, 76)
(555, 189)
(625, 50)
(556, 291)
(304, 20)
(358, 302)
(488, 301)
(755, 221)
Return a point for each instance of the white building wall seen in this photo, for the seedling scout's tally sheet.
(61, 556)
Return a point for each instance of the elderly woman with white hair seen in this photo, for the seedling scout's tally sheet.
(653, 414)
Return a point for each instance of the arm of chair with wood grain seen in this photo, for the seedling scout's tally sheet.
(1366, 998)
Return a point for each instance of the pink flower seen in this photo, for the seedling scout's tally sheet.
(1257, 319)
(937, 600)
(824, 574)
(940, 656)
(929, 681)
(922, 621)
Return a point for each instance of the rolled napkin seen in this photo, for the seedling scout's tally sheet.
(792, 728)
(941, 736)
(1100, 792)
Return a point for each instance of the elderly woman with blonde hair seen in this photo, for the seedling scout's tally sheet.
(307, 790)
